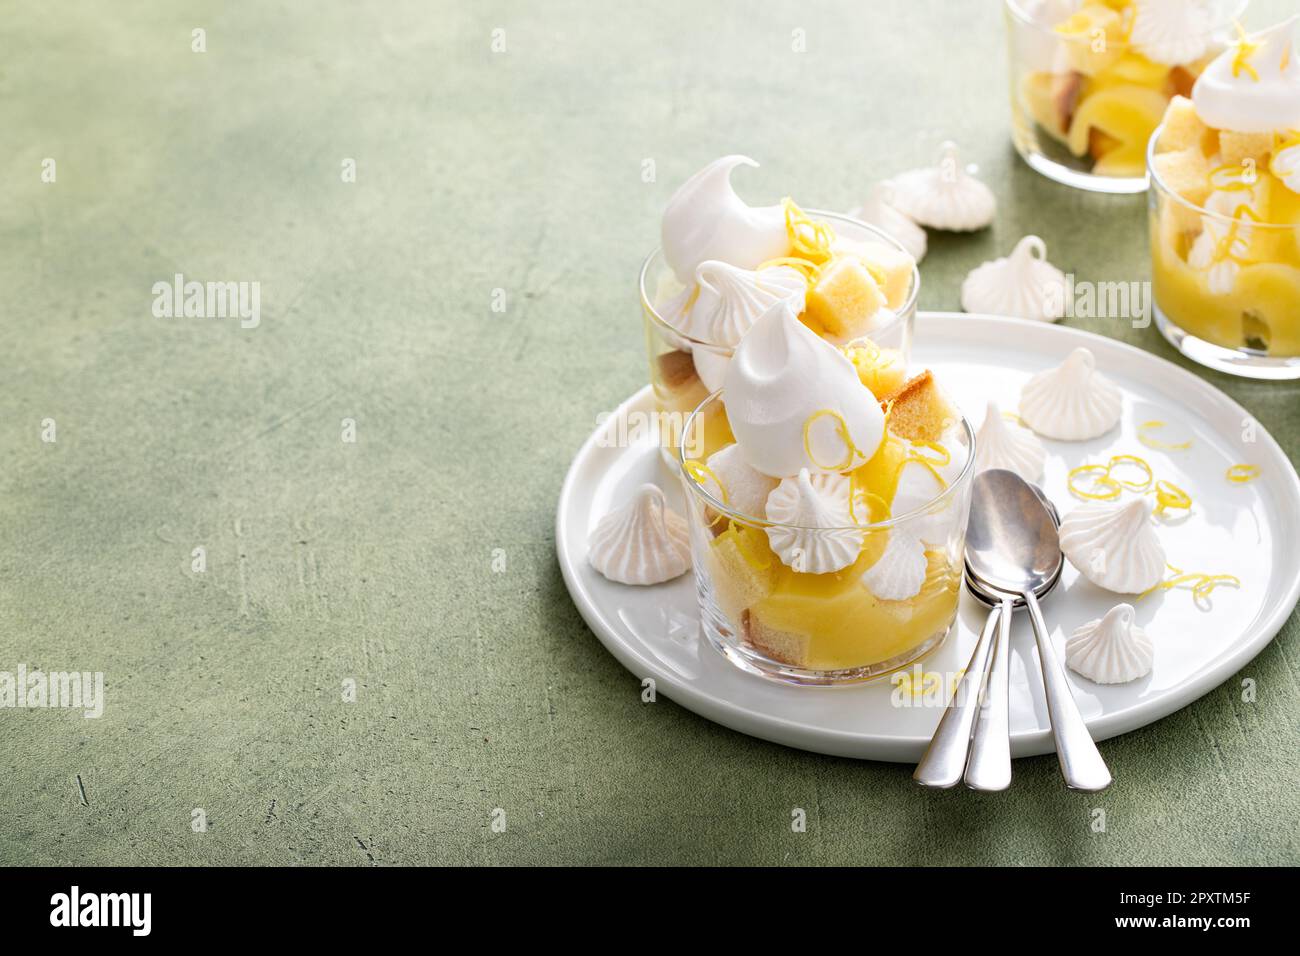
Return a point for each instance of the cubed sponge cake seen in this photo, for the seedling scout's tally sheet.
(918, 410)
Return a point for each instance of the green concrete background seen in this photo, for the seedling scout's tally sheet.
(372, 560)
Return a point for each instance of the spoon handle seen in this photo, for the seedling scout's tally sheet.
(1081, 763)
(945, 759)
(989, 766)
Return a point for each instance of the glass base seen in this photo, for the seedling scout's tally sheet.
(754, 662)
(1078, 179)
(1243, 362)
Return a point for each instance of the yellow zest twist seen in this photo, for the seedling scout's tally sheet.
(810, 238)
(1245, 50)
(1201, 585)
(1240, 474)
(1120, 461)
(1170, 496)
(1144, 436)
(1100, 476)
(841, 429)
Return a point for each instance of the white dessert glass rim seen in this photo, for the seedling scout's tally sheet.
(1172, 196)
(876, 231)
(1024, 17)
(765, 522)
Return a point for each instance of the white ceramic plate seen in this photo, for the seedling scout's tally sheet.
(1248, 530)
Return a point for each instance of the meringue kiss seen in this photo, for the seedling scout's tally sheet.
(1072, 402)
(945, 195)
(1115, 545)
(1023, 284)
(705, 219)
(643, 542)
(1001, 444)
(726, 300)
(814, 532)
(1112, 649)
(794, 401)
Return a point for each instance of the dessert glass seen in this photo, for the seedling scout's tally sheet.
(1084, 102)
(771, 620)
(684, 371)
(1251, 329)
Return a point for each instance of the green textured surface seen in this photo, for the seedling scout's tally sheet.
(372, 561)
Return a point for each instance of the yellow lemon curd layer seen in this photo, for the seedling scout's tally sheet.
(1262, 306)
(831, 621)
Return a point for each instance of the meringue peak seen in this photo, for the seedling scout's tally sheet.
(705, 219)
(726, 300)
(1254, 85)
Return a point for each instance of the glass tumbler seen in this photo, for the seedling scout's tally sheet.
(1086, 97)
(1226, 287)
(841, 627)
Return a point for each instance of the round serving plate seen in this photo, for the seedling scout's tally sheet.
(1247, 530)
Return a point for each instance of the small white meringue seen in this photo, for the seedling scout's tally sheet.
(1112, 649)
(1072, 402)
(899, 572)
(945, 196)
(813, 532)
(726, 300)
(1286, 166)
(1023, 284)
(1003, 444)
(643, 542)
(743, 489)
(1172, 32)
(1115, 546)
(705, 219)
(879, 211)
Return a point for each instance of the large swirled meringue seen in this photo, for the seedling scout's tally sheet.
(899, 572)
(742, 488)
(813, 531)
(1072, 402)
(1172, 32)
(879, 211)
(1115, 545)
(1001, 444)
(1112, 649)
(1255, 87)
(705, 219)
(726, 300)
(783, 377)
(945, 195)
(643, 542)
(1023, 284)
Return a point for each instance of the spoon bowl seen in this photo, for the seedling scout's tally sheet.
(1011, 543)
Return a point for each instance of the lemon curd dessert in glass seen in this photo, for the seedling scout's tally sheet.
(1225, 211)
(722, 263)
(1090, 80)
(826, 525)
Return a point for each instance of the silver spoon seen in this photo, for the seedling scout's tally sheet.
(1012, 545)
(979, 702)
